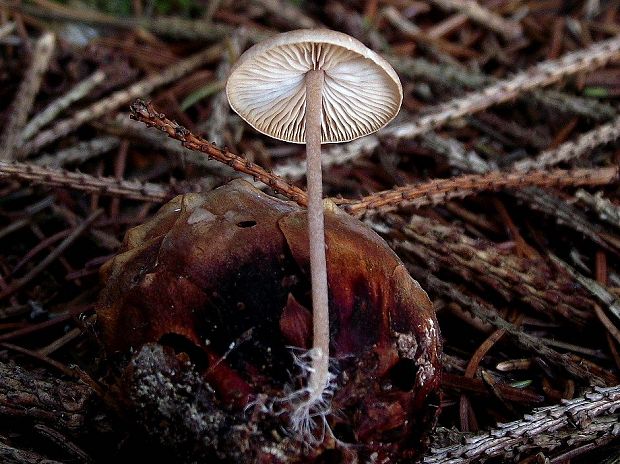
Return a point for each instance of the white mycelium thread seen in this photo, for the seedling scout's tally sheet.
(361, 93)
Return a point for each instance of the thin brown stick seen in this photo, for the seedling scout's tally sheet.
(135, 190)
(34, 328)
(146, 113)
(41, 357)
(597, 441)
(473, 386)
(29, 213)
(470, 371)
(45, 242)
(441, 190)
(22, 104)
(436, 46)
(35, 271)
(120, 98)
(60, 342)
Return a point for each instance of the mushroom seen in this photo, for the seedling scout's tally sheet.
(314, 87)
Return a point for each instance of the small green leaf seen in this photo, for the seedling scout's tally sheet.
(595, 92)
(203, 92)
(521, 384)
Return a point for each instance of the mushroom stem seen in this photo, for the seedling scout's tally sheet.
(318, 264)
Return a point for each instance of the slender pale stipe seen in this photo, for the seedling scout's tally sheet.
(318, 264)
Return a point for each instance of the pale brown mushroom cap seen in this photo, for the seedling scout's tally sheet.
(361, 92)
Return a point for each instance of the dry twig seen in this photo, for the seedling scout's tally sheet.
(448, 248)
(58, 251)
(78, 153)
(483, 16)
(441, 190)
(165, 26)
(144, 112)
(573, 149)
(543, 74)
(611, 302)
(57, 106)
(606, 210)
(487, 313)
(75, 180)
(119, 98)
(22, 104)
(594, 416)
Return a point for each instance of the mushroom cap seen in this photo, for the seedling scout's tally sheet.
(361, 91)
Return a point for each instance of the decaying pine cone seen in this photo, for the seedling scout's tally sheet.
(221, 282)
